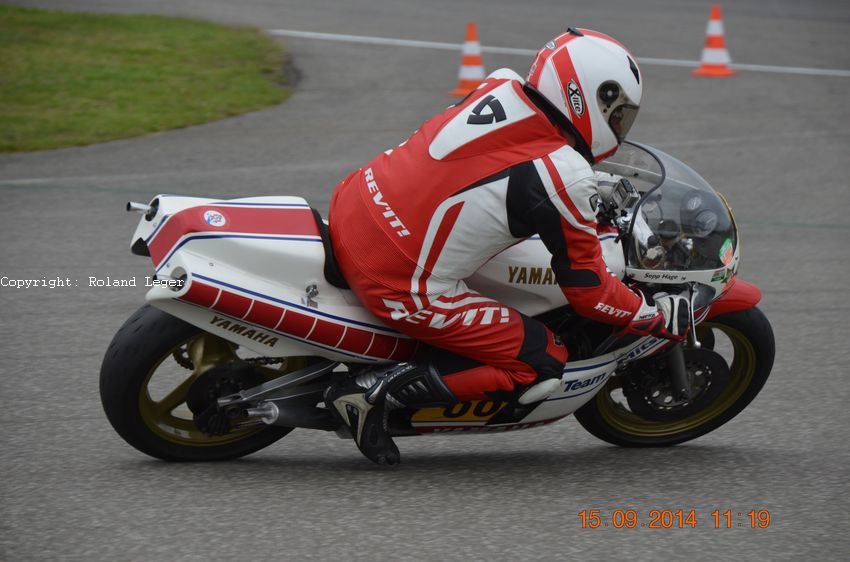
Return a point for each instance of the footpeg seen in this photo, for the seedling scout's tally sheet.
(294, 415)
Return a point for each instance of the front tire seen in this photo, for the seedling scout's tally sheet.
(148, 342)
(745, 338)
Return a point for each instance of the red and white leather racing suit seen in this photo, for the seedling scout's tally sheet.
(409, 226)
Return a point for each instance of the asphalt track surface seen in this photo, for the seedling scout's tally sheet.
(775, 144)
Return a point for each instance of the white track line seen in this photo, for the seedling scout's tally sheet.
(180, 174)
(370, 40)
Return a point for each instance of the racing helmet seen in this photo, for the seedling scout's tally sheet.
(595, 83)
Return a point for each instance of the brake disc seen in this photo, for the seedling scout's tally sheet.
(651, 396)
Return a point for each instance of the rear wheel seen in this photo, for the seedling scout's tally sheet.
(159, 372)
(640, 409)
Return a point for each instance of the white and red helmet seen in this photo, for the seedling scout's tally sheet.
(595, 82)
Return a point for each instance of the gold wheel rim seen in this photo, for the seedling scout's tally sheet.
(159, 415)
(741, 374)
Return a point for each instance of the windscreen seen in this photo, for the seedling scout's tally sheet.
(681, 225)
(636, 164)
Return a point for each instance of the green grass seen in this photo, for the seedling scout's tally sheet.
(72, 79)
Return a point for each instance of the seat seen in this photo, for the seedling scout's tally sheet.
(332, 273)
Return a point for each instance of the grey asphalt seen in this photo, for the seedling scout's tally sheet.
(774, 144)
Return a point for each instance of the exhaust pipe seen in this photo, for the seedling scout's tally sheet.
(148, 210)
(138, 207)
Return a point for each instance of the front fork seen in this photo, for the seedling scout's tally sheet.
(678, 372)
(679, 380)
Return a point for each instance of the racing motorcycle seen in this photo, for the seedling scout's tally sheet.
(248, 322)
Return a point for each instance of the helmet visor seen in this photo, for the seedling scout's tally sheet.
(621, 120)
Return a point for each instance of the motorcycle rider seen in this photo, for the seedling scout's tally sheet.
(511, 160)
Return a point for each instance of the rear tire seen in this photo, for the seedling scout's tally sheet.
(145, 342)
(753, 349)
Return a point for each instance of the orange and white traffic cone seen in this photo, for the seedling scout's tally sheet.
(471, 73)
(715, 58)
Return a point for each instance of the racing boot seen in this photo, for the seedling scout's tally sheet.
(363, 403)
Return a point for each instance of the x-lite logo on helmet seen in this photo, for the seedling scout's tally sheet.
(576, 99)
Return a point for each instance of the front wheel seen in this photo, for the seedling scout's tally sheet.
(154, 370)
(646, 415)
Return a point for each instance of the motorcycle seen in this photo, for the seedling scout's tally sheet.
(249, 321)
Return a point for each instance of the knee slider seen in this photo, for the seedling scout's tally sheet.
(539, 391)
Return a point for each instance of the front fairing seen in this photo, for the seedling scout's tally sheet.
(681, 231)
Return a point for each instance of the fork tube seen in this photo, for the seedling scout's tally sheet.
(678, 372)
